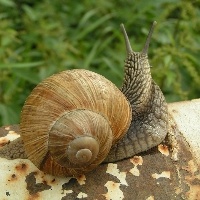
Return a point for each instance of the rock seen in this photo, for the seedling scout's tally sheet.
(169, 171)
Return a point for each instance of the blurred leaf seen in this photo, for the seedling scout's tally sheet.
(93, 26)
(40, 38)
(8, 3)
(26, 75)
(8, 115)
(30, 12)
(86, 17)
(20, 65)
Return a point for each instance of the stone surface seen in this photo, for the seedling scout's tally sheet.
(169, 171)
(187, 117)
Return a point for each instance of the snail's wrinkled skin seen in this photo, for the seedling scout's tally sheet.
(147, 128)
(149, 109)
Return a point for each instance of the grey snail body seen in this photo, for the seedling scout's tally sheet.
(149, 123)
(77, 119)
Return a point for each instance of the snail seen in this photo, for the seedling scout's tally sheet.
(74, 120)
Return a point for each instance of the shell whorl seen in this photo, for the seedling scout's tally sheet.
(83, 150)
(76, 138)
(69, 107)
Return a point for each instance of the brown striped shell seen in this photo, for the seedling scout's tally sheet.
(70, 121)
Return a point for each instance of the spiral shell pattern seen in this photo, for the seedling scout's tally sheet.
(70, 121)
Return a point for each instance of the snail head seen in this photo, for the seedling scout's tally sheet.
(137, 57)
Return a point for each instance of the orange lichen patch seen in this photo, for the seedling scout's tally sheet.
(191, 168)
(192, 180)
(44, 182)
(7, 128)
(13, 133)
(164, 174)
(34, 196)
(53, 181)
(163, 149)
(81, 179)
(4, 141)
(194, 192)
(136, 160)
(178, 190)
(22, 167)
(12, 178)
(114, 191)
(46, 178)
(113, 170)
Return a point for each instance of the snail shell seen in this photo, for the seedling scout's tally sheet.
(70, 121)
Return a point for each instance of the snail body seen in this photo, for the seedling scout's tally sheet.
(149, 123)
(77, 119)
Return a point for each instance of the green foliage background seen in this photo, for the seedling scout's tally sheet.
(42, 37)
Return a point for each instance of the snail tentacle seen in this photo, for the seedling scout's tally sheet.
(127, 42)
(146, 46)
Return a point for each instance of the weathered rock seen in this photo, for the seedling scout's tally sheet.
(169, 171)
